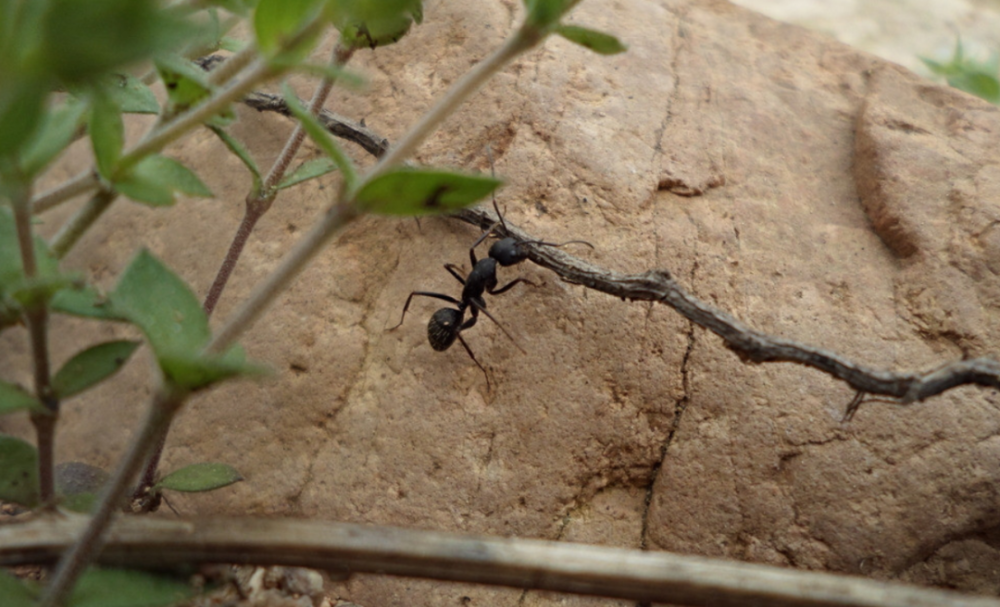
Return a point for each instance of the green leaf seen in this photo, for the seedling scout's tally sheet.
(984, 86)
(55, 134)
(107, 133)
(546, 13)
(22, 105)
(31, 292)
(18, 471)
(86, 302)
(407, 192)
(276, 23)
(321, 137)
(79, 484)
(373, 23)
(14, 592)
(130, 94)
(232, 44)
(162, 306)
(124, 588)
(194, 372)
(599, 42)
(308, 170)
(155, 179)
(11, 268)
(83, 40)
(168, 313)
(200, 477)
(185, 83)
(92, 366)
(13, 398)
(241, 152)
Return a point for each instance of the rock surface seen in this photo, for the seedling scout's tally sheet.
(813, 191)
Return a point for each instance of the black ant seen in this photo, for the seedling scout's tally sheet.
(447, 324)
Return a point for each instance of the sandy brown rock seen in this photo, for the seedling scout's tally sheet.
(811, 190)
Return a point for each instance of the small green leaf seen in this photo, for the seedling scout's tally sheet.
(83, 40)
(14, 592)
(545, 13)
(22, 105)
(92, 366)
(107, 133)
(373, 23)
(200, 477)
(241, 152)
(599, 42)
(195, 372)
(79, 484)
(11, 268)
(85, 302)
(31, 292)
(13, 398)
(276, 22)
(406, 191)
(56, 132)
(185, 83)
(130, 94)
(308, 170)
(166, 310)
(18, 471)
(162, 306)
(984, 86)
(232, 44)
(124, 588)
(155, 179)
(321, 137)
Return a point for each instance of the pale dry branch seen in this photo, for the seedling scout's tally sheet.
(519, 563)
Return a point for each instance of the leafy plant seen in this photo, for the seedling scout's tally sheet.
(979, 78)
(63, 82)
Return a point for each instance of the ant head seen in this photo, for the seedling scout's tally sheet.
(507, 252)
(443, 328)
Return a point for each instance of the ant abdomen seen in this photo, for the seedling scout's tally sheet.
(442, 329)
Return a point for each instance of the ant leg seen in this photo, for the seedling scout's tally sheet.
(447, 298)
(482, 237)
(473, 357)
(454, 270)
(507, 286)
(477, 308)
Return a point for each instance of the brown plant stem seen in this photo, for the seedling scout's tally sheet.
(637, 575)
(258, 202)
(36, 317)
(83, 548)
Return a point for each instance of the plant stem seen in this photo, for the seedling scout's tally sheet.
(37, 319)
(259, 202)
(344, 211)
(523, 40)
(293, 263)
(82, 183)
(165, 405)
(80, 222)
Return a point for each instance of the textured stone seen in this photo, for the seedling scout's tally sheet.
(815, 192)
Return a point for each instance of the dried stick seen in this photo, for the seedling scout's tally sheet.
(750, 345)
(520, 563)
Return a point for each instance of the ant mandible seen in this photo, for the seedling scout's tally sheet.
(447, 324)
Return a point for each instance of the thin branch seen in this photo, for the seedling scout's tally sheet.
(338, 125)
(80, 222)
(81, 547)
(36, 316)
(636, 575)
(750, 345)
